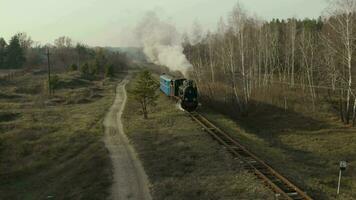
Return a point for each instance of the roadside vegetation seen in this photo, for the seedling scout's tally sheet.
(182, 161)
(50, 146)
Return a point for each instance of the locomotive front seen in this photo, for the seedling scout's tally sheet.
(188, 95)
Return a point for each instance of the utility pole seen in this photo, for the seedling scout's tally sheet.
(49, 72)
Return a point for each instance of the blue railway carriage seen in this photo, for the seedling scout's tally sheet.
(182, 89)
(170, 86)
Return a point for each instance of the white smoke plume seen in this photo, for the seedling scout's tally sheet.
(161, 43)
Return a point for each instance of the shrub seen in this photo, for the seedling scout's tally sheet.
(73, 67)
(109, 71)
(54, 82)
(84, 69)
(93, 68)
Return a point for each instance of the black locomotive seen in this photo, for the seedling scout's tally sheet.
(182, 89)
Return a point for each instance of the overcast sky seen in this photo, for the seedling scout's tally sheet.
(101, 22)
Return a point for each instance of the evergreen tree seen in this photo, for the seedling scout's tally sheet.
(54, 83)
(3, 46)
(100, 61)
(109, 70)
(15, 55)
(73, 67)
(94, 68)
(84, 69)
(145, 91)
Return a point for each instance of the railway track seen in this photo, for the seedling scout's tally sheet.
(280, 185)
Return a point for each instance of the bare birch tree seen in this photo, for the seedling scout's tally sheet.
(342, 41)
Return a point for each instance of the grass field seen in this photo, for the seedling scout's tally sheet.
(51, 148)
(4, 72)
(306, 149)
(182, 161)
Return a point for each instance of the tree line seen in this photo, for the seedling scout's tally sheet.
(22, 52)
(248, 60)
(90, 61)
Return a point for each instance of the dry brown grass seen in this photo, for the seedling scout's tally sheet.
(304, 144)
(51, 148)
(182, 161)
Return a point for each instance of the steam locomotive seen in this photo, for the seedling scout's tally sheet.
(184, 90)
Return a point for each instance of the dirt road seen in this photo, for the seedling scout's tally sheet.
(130, 180)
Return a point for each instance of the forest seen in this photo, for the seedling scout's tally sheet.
(300, 65)
(21, 52)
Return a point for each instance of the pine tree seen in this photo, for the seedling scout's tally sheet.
(145, 91)
(94, 68)
(109, 70)
(15, 55)
(73, 67)
(84, 69)
(3, 46)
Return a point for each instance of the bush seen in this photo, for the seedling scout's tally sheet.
(73, 67)
(54, 82)
(109, 71)
(84, 69)
(93, 69)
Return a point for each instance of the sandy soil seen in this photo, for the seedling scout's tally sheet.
(130, 180)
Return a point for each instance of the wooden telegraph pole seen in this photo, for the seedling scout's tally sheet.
(49, 72)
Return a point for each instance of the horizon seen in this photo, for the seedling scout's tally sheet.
(111, 27)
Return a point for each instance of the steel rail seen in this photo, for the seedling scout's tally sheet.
(281, 186)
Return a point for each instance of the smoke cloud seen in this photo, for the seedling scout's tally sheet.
(161, 43)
